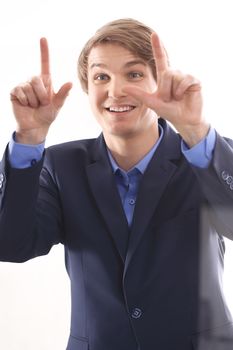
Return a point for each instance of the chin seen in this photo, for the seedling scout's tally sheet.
(122, 132)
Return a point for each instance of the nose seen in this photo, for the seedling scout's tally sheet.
(115, 88)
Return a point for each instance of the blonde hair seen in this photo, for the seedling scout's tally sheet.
(128, 33)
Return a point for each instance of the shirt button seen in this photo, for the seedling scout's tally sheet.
(136, 313)
(132, 201)
(33, 162)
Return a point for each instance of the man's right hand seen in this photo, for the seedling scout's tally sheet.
(35, 104)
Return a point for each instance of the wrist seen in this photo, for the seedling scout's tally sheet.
(193, 134)
(31, 137)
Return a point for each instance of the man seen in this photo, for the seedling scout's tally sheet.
(141, 210)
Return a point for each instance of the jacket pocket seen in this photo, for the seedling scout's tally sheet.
(77, 344)
(219, 338)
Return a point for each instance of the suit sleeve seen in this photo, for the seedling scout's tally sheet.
(217, 185)
(30, 212)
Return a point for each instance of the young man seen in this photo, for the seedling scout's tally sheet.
(141, 210)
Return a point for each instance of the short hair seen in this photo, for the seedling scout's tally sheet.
(128, 33)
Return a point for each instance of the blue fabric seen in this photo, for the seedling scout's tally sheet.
(23, 156)
(128, 181)
(149, 276)
(201, 154)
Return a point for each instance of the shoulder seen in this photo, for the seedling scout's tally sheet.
(69, 149)
(81, 152)
(72, 145)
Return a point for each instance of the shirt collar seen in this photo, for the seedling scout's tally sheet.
(143, 163)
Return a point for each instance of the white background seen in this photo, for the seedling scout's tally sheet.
(34, 296)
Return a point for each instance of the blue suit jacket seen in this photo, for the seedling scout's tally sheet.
(154, 286)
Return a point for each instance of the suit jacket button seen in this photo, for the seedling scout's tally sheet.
(225, 175)
(136, 313)
(229, 180)
(1, 179)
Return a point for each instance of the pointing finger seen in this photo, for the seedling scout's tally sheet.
(44, 52)
(160, 55)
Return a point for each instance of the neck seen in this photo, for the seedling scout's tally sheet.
(128, 151)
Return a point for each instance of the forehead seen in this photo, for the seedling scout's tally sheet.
(105, 54)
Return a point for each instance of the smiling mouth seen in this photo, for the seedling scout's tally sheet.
(120, 109)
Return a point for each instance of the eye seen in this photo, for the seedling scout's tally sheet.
(101, 77)
(135, 75)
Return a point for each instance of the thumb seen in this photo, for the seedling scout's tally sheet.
(62, 94)
(139, 94)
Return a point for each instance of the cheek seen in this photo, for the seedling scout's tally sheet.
(152, 85)
(95, 103)
(149, 84)
(94, 96)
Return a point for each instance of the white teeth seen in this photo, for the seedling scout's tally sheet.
(120, 109)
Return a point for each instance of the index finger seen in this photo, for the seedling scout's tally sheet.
(160, 54)
(44, 54)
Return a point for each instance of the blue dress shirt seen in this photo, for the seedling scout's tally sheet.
(128, 181)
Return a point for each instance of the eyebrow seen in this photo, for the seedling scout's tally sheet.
(127, 65)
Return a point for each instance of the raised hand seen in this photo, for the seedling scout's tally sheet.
(35, 104)
(177, 98)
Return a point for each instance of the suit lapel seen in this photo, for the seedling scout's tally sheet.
(102, 183)
(154, 182)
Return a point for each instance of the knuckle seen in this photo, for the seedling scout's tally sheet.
(13, 92)
(16, 92)
(35, 80)
(27, 88)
